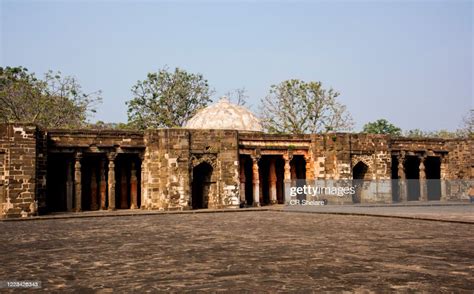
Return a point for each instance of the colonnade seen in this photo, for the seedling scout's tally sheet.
(104, 192)
(275, 176)
(413, 182)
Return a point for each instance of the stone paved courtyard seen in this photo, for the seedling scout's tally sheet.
(263, 251)
(456, 212)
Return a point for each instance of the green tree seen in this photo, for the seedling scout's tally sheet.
(299, 107)
(381, 126)
(53, 102)
(167, 99)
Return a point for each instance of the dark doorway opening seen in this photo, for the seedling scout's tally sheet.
(395, 187)
(247, 162)
(298, 173)
(122, 182)
(412, 171)
(263, 174)
(127, 181)
(59, 170)
(359, 173)
(280, 172)
(433, 176)
(201, 185)
(91, 182)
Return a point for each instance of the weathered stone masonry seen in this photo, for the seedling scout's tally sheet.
(43, 171)
(171, 157)
(22, 172)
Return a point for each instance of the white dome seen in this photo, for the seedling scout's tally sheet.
(225, 115)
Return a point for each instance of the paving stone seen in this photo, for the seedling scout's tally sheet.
(264, 251)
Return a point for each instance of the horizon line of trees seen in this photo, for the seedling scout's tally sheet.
(168, 98)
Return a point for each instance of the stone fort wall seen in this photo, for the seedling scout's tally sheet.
(164, 161)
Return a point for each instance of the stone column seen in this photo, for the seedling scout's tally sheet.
(309, 174)
(242, 181)
(78, 182)
(123, 188)
(423, 184)
(133, 187)
(69, 184)
(94, 204)
(402, 179)
(309, 168)
(143, 181)
(443, 176)
(287, 179)
(111, 181)
(272, 179)
(102, 184)
(256, 182)
(293, 173)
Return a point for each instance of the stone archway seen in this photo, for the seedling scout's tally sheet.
(359, 173)
(201, 184)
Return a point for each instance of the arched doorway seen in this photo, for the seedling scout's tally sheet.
(201, 185)
(359, 174)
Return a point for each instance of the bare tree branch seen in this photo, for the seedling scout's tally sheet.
(297, 107)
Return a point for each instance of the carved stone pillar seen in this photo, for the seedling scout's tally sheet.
(287, 178)
(69, 184)
(402, 178)
(143, 181)
(309, 168)
(309, 173)
(422, 177)
(443, 176)
(94, 204)
(242, 180)
(272, 179)
(133, 187)
(294, 174)
(256, 182)
(78, 182)
(111, 181)
(102, 184)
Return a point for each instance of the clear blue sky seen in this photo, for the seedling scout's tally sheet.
(410, 62)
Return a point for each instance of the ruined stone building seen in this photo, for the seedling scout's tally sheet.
(221, 159)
